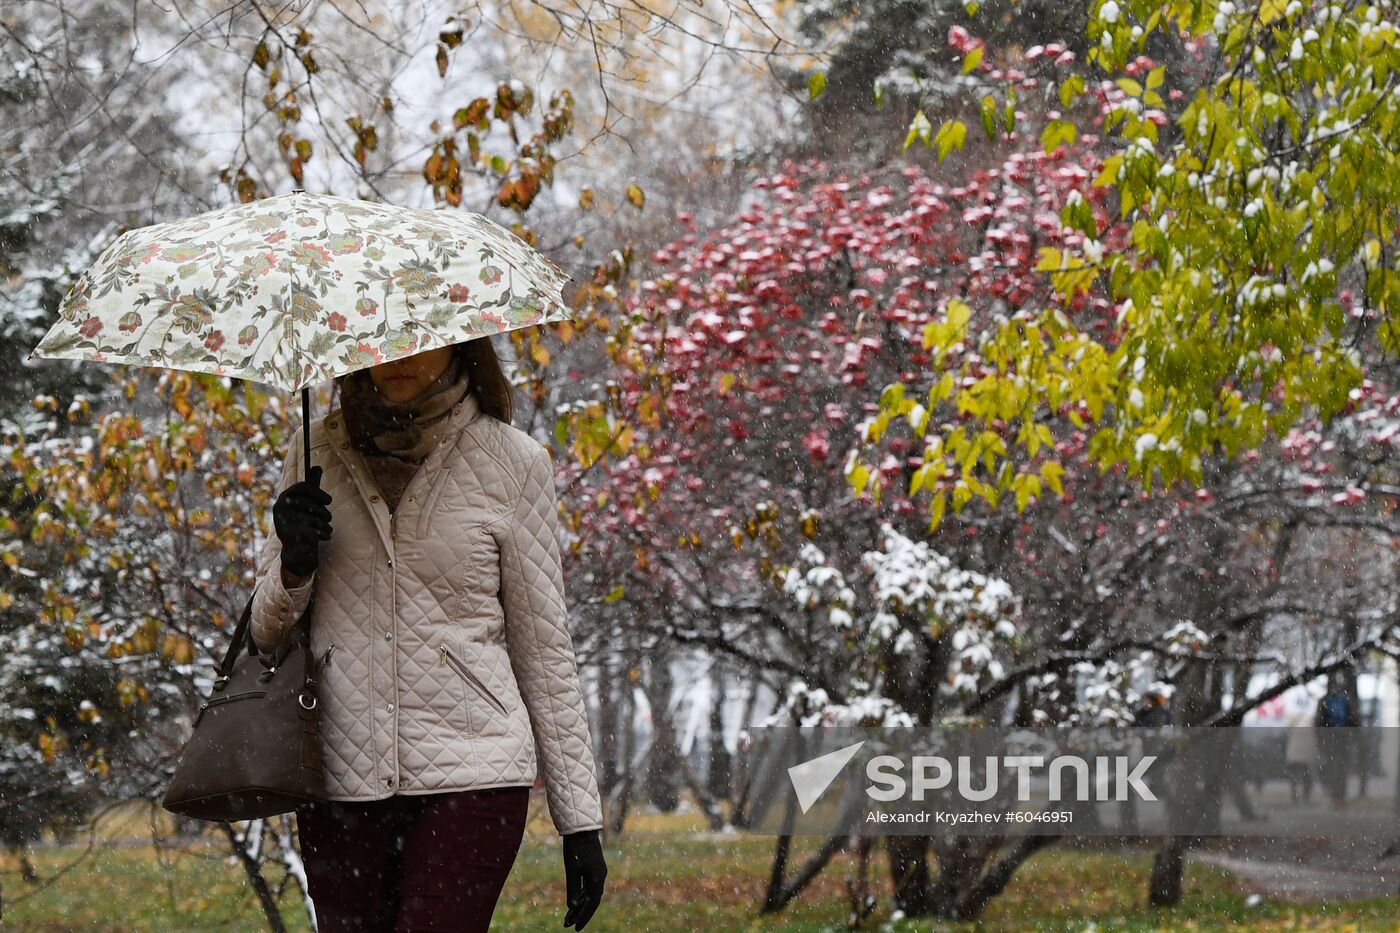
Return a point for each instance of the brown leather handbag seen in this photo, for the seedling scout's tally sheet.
(255, 750)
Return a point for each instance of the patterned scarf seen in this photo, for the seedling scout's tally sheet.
(400, 429)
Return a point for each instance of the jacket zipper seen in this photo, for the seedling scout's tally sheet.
(326, 657)
(396, 781)
(450, 658)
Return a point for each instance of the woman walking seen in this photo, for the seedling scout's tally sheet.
(448, 675)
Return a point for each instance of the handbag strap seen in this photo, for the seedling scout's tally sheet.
(241, 634)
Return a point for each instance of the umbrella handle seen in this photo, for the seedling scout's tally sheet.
(306, 431)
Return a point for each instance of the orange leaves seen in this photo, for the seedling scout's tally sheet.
(476, 115)
(513, 98)
(297, 151)
(524, 171)
(129, 692)
(448, 38)
(245, 188)
(50, 744)
(649, 410)
(443, 172)
(176, 649)
(144, 639)
(559, 121)
(74, 637)
(366, 138)
(180, 386)
(540, 354)
(519, 193)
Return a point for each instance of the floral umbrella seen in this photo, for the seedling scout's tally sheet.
(298, 288)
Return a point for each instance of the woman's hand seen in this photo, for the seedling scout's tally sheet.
(584, 871)
(302, 522)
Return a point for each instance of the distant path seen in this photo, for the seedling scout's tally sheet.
(1309, 871)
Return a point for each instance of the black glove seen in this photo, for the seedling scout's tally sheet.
(584, 871)
(302, 522)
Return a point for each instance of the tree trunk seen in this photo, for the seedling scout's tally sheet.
(626, 740)
(714, 813)
(858, 889)
(909, 874)
(995, 880)
(1168, 870)
(609, 724)
(718, 771)
(253, 869)
(780, 891)
(662, 785)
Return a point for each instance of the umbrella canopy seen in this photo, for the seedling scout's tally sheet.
(298, 288)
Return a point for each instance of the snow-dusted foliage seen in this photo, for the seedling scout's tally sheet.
(976, 614)
(805, 705)
(909, 595)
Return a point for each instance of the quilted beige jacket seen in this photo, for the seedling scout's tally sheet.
(449, 664)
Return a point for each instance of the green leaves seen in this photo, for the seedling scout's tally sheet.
(1070, 89)
(919, 128)
(1058, 133)
(1078, 215)
(989, 116)
(951, 135)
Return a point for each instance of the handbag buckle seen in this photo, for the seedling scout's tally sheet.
(301, 698)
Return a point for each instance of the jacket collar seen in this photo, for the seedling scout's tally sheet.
(462, 414)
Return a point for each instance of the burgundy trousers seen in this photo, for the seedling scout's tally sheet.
(416, 863)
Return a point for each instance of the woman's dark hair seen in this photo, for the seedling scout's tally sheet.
(487, 381)
(494, 393)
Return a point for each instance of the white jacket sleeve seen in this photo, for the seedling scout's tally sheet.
(276, 608)
(542, 651)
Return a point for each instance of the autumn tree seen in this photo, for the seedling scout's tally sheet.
(1251, 206)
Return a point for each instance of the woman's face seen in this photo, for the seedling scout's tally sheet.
(403, 379)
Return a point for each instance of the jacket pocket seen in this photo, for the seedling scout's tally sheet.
(430, 501)
(451, 659)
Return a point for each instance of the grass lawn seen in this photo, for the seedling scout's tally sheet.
(666, 876)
